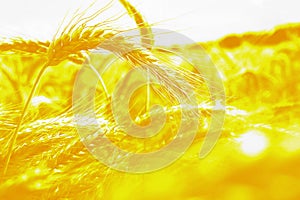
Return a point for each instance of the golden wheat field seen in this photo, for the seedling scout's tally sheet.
(42, 155)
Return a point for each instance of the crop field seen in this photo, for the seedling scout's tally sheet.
(257, 155)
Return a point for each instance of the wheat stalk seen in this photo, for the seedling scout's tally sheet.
(145, 29)
(70, 44)
(79, 37)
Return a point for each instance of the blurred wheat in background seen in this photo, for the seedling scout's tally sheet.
(257, 157)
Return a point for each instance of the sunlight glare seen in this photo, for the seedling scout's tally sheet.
(36, 101)
(253, 143)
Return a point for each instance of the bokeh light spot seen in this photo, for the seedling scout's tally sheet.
(253, 143)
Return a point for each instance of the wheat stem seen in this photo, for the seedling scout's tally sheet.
(148, 92)
(13, 139)
(101, 81)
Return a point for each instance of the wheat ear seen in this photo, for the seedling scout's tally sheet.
(68, 46)
(75, 38)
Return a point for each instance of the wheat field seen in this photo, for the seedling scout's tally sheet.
(42, 155)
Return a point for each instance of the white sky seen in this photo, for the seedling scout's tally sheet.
(198, 19)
